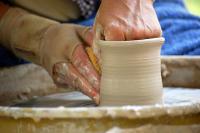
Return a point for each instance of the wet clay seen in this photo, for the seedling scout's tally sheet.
(131, 72)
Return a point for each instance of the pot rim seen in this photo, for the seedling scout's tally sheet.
(103, 43)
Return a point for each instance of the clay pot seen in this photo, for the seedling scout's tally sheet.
(131, 72)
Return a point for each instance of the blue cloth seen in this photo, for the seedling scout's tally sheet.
(180, 29)
(7, 58)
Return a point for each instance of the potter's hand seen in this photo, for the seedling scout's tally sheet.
(64, 57)
(126, 20)
(56, 47)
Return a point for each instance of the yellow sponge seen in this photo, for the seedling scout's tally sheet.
(93, 59)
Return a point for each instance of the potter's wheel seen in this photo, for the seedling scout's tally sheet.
(172, 96)
(179, 113)
(68, 99)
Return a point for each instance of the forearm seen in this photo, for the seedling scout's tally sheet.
(22, 33)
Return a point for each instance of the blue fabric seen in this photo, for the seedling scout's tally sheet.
(180, 29)
(7, 58)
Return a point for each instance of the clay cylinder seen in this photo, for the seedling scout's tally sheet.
(131, 72)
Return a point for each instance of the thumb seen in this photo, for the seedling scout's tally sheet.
(98, 29)
(86, 34)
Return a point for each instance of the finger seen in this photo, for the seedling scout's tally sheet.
(82, 63)
(114, 33)
(86, 34)
(71, 76)
(136, 33)
(97, 35)
(153, 33)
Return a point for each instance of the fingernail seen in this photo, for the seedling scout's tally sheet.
(94, 95)
(96, 99)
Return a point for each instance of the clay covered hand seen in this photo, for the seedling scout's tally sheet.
(63, 55)
(57, 47)
(126, 20)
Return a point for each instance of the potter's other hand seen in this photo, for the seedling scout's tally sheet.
(57, 47)
(64, 57)
(126, 20)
